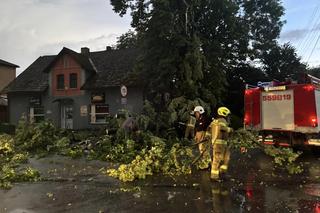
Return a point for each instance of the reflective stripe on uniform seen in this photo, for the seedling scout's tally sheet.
(223, 124)
(219, 141)
(224, 167)
(219, 122)
(224, 193)
(190, 125)
(215, 172)
(215, 191)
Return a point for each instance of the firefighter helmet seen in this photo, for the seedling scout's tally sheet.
(199, 109)
(223, 111)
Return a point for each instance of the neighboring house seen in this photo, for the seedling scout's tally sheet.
(76, 90)
(7, 74)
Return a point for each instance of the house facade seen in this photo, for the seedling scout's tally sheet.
(7, 74)
(76, 90)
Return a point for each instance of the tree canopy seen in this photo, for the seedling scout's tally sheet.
(207, 49)
(127, 40)
(282, 62)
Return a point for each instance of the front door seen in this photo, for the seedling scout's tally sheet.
(67, 116)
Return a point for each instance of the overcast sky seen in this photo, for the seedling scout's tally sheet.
(31, 28)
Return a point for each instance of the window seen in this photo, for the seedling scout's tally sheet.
(60, 81)
(35, 101)
(73, 80)
(36, 114)
(99, 113)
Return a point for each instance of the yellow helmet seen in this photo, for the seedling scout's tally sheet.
(223, 111)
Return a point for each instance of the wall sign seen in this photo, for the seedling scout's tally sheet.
(123, 101)
(98, 97)
(124, 91)
(83, 110)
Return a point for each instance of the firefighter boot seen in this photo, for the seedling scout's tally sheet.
(215, 175)
(224, 167)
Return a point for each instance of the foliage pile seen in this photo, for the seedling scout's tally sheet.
(36, 137)
(10, 160)
(110, 148)
(281, 156)
(159, 158)
(141, 152)
(44, 138)
(285, 157)
(176, 159)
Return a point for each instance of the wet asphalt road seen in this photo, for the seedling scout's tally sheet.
(253, 185)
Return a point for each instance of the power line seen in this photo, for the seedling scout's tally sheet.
(312, 35)
(314, 47)
(310, 21)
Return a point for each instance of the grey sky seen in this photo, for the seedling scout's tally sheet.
(31, 28)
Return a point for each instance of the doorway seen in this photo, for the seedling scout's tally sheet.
(66, 116)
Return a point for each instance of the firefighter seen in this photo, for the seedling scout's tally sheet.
(220, 131)
(190, 127)
(201, 125)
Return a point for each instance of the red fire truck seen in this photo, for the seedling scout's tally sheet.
(285, 114)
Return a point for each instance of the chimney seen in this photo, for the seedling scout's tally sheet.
(85, 50)
(108, 48)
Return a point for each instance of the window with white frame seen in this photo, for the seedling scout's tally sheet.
(99, 113)
(36, 114)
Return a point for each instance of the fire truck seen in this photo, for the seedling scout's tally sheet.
(285, 113)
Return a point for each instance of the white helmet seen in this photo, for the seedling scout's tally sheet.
(199, 109)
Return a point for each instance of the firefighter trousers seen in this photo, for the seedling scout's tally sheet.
(205, 159)
(221, 157)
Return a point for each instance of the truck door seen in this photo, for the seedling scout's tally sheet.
(277, 110)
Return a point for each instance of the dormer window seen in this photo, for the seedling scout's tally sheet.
(60, 81)
(73, 80)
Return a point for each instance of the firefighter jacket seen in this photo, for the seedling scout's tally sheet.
(202, 123)
(220, 131)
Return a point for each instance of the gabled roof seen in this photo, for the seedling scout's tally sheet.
(8, 64)
(33, 79)
(108, 68)
(80, 58)
(113, 68)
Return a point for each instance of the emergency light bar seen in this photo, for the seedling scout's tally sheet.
(278, 88)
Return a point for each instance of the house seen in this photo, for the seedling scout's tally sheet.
(7, 74)
(76, 90)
